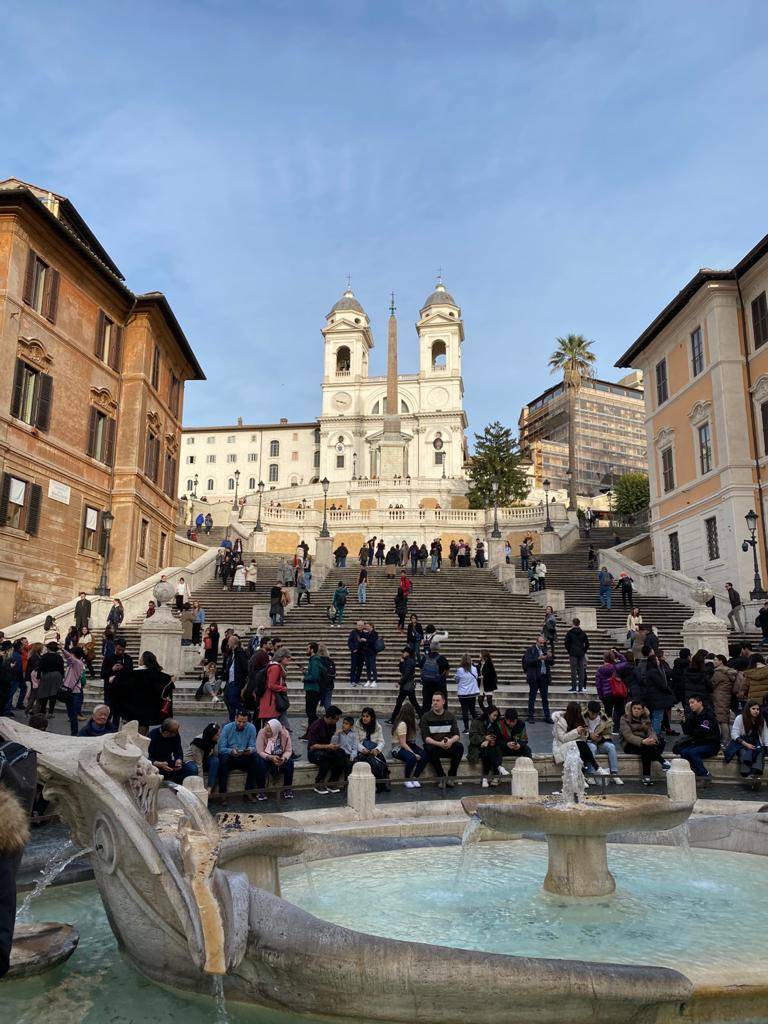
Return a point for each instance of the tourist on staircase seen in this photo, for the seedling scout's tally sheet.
(355, 643)
(605, 587)
(625, 586)
(330, 760)
(634, 621)
(182, 593)
(313, 676)
(423, 557)
(166, 753)
(569, 727)
(577, 645)
(303, 584)
(537, 665)
(273, 700)
(656, 693)
(736, 614)
(237, 751)
(467, 689)
(549, 627)
(434, 674)
(372, 645)
(489, 680)
(406, 684)
(611, 685)
(749, 738)
(205, 753)
(401, 608)
(380, 549)
(116, 615)
(362, 585)
(339, 603)
(513, 736)
(235, 674)
(723, 694)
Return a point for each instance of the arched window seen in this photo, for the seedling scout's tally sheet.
(251, 483)
(231, 484)
(380, 408)
(190, 485)
(274, 474)
(438, 355)
(209, 485)
(343, 360)
(274, 449)
(317, 435)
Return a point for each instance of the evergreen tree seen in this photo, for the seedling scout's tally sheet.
(496, 457)
(632, 494)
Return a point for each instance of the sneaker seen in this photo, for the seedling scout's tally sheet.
(373, 685)
(408, 784)
(572, 690)
(617, 781)
(495, 781)
(706, 780)
(287, 794)
(261, 795)
(334, 789)
(321, 790)
(646, 780)
(666, 765)
(602, 771)
(503, 770)
(485, 783)
(415, 784)
(450, 783)
(588, 781)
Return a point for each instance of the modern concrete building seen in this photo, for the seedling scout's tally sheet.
(609, 429)
(705, 358)
(91, 392)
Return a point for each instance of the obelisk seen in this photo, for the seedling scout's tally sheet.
(392, 440)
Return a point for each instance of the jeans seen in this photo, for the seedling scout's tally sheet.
(524, 563)
(605, 597)
(361, 594)
(326, 697)
(587, 756)
(578, 671)
(74, 707)
(355, 666)
(737, 613)
(332, 763)
(277, 618)
(369, 660)
(213, 771)
(249, 763)
(410, 758)
(657, 718)
(436, 755)
(609, 750)
(265, 768)
(339, 613)
(626, 597)
(541, 686)
(695, 755)
(414, 566)
(434, 565)
(187, 769)
(468, 709)
(490, 758)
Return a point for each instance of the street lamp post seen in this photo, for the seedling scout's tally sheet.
(548, 527)
(324, 483)
(106, 524)
(237, 483)
(354, 465)
(495, 532)
(258, 527)
(758, 594)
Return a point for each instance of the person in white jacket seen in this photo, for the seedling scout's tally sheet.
(182, 593)
(467, 688)
(239, 581)
(569, 727)
(750, 732)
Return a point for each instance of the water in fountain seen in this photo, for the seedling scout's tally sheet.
(469, 842)
(60, 860)
(311, 889)
(217, 984)
(574, 789)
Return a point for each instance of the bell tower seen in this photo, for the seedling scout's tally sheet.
(441, 334)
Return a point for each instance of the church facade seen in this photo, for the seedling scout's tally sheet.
(356, 435)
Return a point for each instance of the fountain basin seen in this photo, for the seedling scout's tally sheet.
(576, 832)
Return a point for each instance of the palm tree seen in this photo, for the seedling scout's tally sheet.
(574, 356)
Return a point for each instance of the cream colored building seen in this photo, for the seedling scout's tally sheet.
(705, 363)
(343, 443)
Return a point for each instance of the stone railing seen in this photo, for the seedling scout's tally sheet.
(443, 518)
(135, 599)
(653, 582)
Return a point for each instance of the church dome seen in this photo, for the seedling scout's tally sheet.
(440, 297)
(347, 302)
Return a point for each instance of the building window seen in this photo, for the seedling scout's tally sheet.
(705, 448)
(439, 458)
(294, 456)
(90, 529)
(339, 462)
(231, 484)
(143, 537)
(32, 396)
(169, 482)
(174, 391)
(161, 550)
(274, 449)
(317, 459)
(231, 439)
(760, 320)
(295, 437)
(41, 287)
(232, 457)
(209, 485)
(210, 440)
(662, 387)
(251, 483)
(190, 440)
(190, 460)
(713, 544)
(343, 360)
(109, 341)
(190, 485)
(438, 355)
(668, 470)
(252, 456)
(697, 352)
(20, 504)
(154, 377)
(210, 459)
(764, 419)
(274, 474)
(101, 437)
(152, 457)
(674, 551)
(317, 435)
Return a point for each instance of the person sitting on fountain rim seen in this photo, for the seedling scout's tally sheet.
(513, 737)
(440, 732)
(702, 737)
(98, 724)
(166, 754)
(273, 747)
(569, 727)
(237, 749)
(640, 739)
(600, 731)
(330, 759)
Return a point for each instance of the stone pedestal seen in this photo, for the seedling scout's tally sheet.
(324, 553)
(550, 543)
(578, 866)
(361, 791)
(681, 782)
(40, 947)
(555, 598)
(260, 617)
(705, 631)
(495, 549)
(162, 636)
(525, 779)
(586, 614)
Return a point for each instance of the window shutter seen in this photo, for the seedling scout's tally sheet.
(116, 348)
(148, 456)
(100, 324)
(51, 296)
(18, 382)
(91, 449)
(44, 400)
(33, 510)
(109, 441)
(29, 278)
(156, 477)
(5, 493)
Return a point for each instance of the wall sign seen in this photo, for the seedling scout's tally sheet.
(59, 492)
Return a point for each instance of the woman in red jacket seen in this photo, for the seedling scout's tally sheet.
(275, 685)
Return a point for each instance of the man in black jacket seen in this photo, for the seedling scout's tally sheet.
(737, 608)
(577, 645)
(703, 737)
(537, 662)
(407, 684)
(118, 661)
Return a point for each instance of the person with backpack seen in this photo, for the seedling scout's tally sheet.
(611, 686)
(373, 645)
(328, 677)
(339, 602)
(313, 680)
(577, 645)
(434, 672)
(605, 585)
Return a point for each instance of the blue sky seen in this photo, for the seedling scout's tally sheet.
(568, 164)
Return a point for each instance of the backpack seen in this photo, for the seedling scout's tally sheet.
(430, 671)
(340, 598)
(332, 613)
(379, 645)
(254, 689)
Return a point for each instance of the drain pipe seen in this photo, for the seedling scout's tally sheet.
(752, 420)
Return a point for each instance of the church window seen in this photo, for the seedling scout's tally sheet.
(343, 360)
(209, 485)
(274, 449)
(438, 355)
(251, 483)
(274, 474)
(231, 484)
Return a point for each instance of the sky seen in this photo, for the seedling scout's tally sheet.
(568, 164)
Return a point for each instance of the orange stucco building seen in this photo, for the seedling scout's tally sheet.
(91, 392)
(705, 362)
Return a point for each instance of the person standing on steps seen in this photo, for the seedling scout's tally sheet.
(362, 584)
(549, 627)
(380, 549)
(339, 602)
(303, 584)
(82, 612)
(489, 680)
(423, 556)
(591, 557)
(434, 672)
(525, 553)
(413, 554)
(371, 550)
(625, 586)
(392, 561)
(467, 689)
(406, 684)
(401, 609)
(313, 680)
(276, 608)
(362, 555)
(537, 663)
(605, 585)
(340, 554)
(577, 645)
(355, 643)
(182, 593)
(415, 636)
(737, 609)
(116, 615)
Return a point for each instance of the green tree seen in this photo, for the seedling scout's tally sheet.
(574, 358)
(632, 494)
(496, 457)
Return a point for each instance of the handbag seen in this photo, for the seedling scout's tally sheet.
(281, 702)
(165, 701)
(734, 746)
(618, 687)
